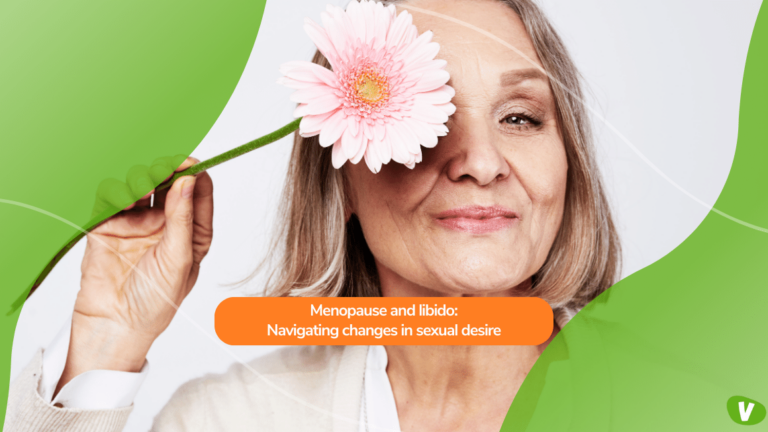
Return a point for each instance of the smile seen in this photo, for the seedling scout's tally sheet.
(477, 219)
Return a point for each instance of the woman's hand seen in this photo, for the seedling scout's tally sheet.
(137, 269)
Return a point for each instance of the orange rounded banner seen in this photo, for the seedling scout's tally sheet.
(384, 321)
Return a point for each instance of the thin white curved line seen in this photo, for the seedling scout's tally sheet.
(188, 318)
(592, 110)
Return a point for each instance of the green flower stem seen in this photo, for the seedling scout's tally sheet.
(194, 169)
(235, 152)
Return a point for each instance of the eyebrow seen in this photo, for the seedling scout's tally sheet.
(517, 76)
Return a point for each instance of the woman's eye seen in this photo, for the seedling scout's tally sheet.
(516, 120)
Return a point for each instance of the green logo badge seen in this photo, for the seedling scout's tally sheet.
(745, 411)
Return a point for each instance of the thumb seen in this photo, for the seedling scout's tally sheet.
(177, 238)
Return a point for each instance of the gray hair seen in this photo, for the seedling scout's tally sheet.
(317, 253)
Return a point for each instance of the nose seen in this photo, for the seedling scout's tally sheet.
(475, 155)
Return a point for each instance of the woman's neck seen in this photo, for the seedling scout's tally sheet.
(454, 387)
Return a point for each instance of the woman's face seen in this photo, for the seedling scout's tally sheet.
(479, 214)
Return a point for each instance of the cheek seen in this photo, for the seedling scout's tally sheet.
(549, 191)
(395, 192)
(387, 206)
(544, 175)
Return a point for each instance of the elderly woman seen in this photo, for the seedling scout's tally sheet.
(509, 203)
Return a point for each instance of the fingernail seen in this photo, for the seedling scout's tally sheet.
(188, 188)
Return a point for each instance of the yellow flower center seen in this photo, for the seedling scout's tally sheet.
(371, 87)
(368, 90)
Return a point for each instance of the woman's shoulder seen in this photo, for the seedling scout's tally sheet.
(301, 380)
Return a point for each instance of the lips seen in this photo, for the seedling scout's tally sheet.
(477, 219)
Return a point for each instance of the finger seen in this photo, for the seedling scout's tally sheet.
(174, 162)
(161, 169)
(160, 196)
(139, 180)
(133, 224)
(144, 202)
(175, 247)
(203, 216)
(188, 162)
(159, 200)
(115, 194)
(177, 160)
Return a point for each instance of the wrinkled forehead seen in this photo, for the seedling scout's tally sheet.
(465, 30)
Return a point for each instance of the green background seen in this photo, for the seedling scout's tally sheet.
(88, 89)
(665, 348)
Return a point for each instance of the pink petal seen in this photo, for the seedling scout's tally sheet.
(300, 70)
(414, 160)
(397, 144)
(333, 21)
(407, 137)
(355, 12)
(332, 129)
(440, 129)
(373, 162)
(369, 23)
(306, 95)
(426, 67)
(379, 132)
(442, 95)
(337, 155)
(300, 111)
(414, 46)
(367, 130)
(322, 105)
(428, 113)
(398, 29)
(410, 35)
(383, 150)
(311, 124)
(353, 125)
(411, 162)
(294, 84)
(320, 37)
(431, 81)
(423, 54)
(424, 133)
(392, 11)
(448, 108)
(360, 151)
(348, 28)
(384, 18)
(326, 76)
(350, 144)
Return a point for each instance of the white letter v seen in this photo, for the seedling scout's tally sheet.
(745, 414)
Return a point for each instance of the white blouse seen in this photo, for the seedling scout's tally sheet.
(106, 389)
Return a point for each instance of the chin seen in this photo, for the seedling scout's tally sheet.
(483, 281)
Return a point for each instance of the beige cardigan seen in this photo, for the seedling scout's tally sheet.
(296, 389)
(315, 388)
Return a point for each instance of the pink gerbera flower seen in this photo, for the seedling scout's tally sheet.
(386, 95)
